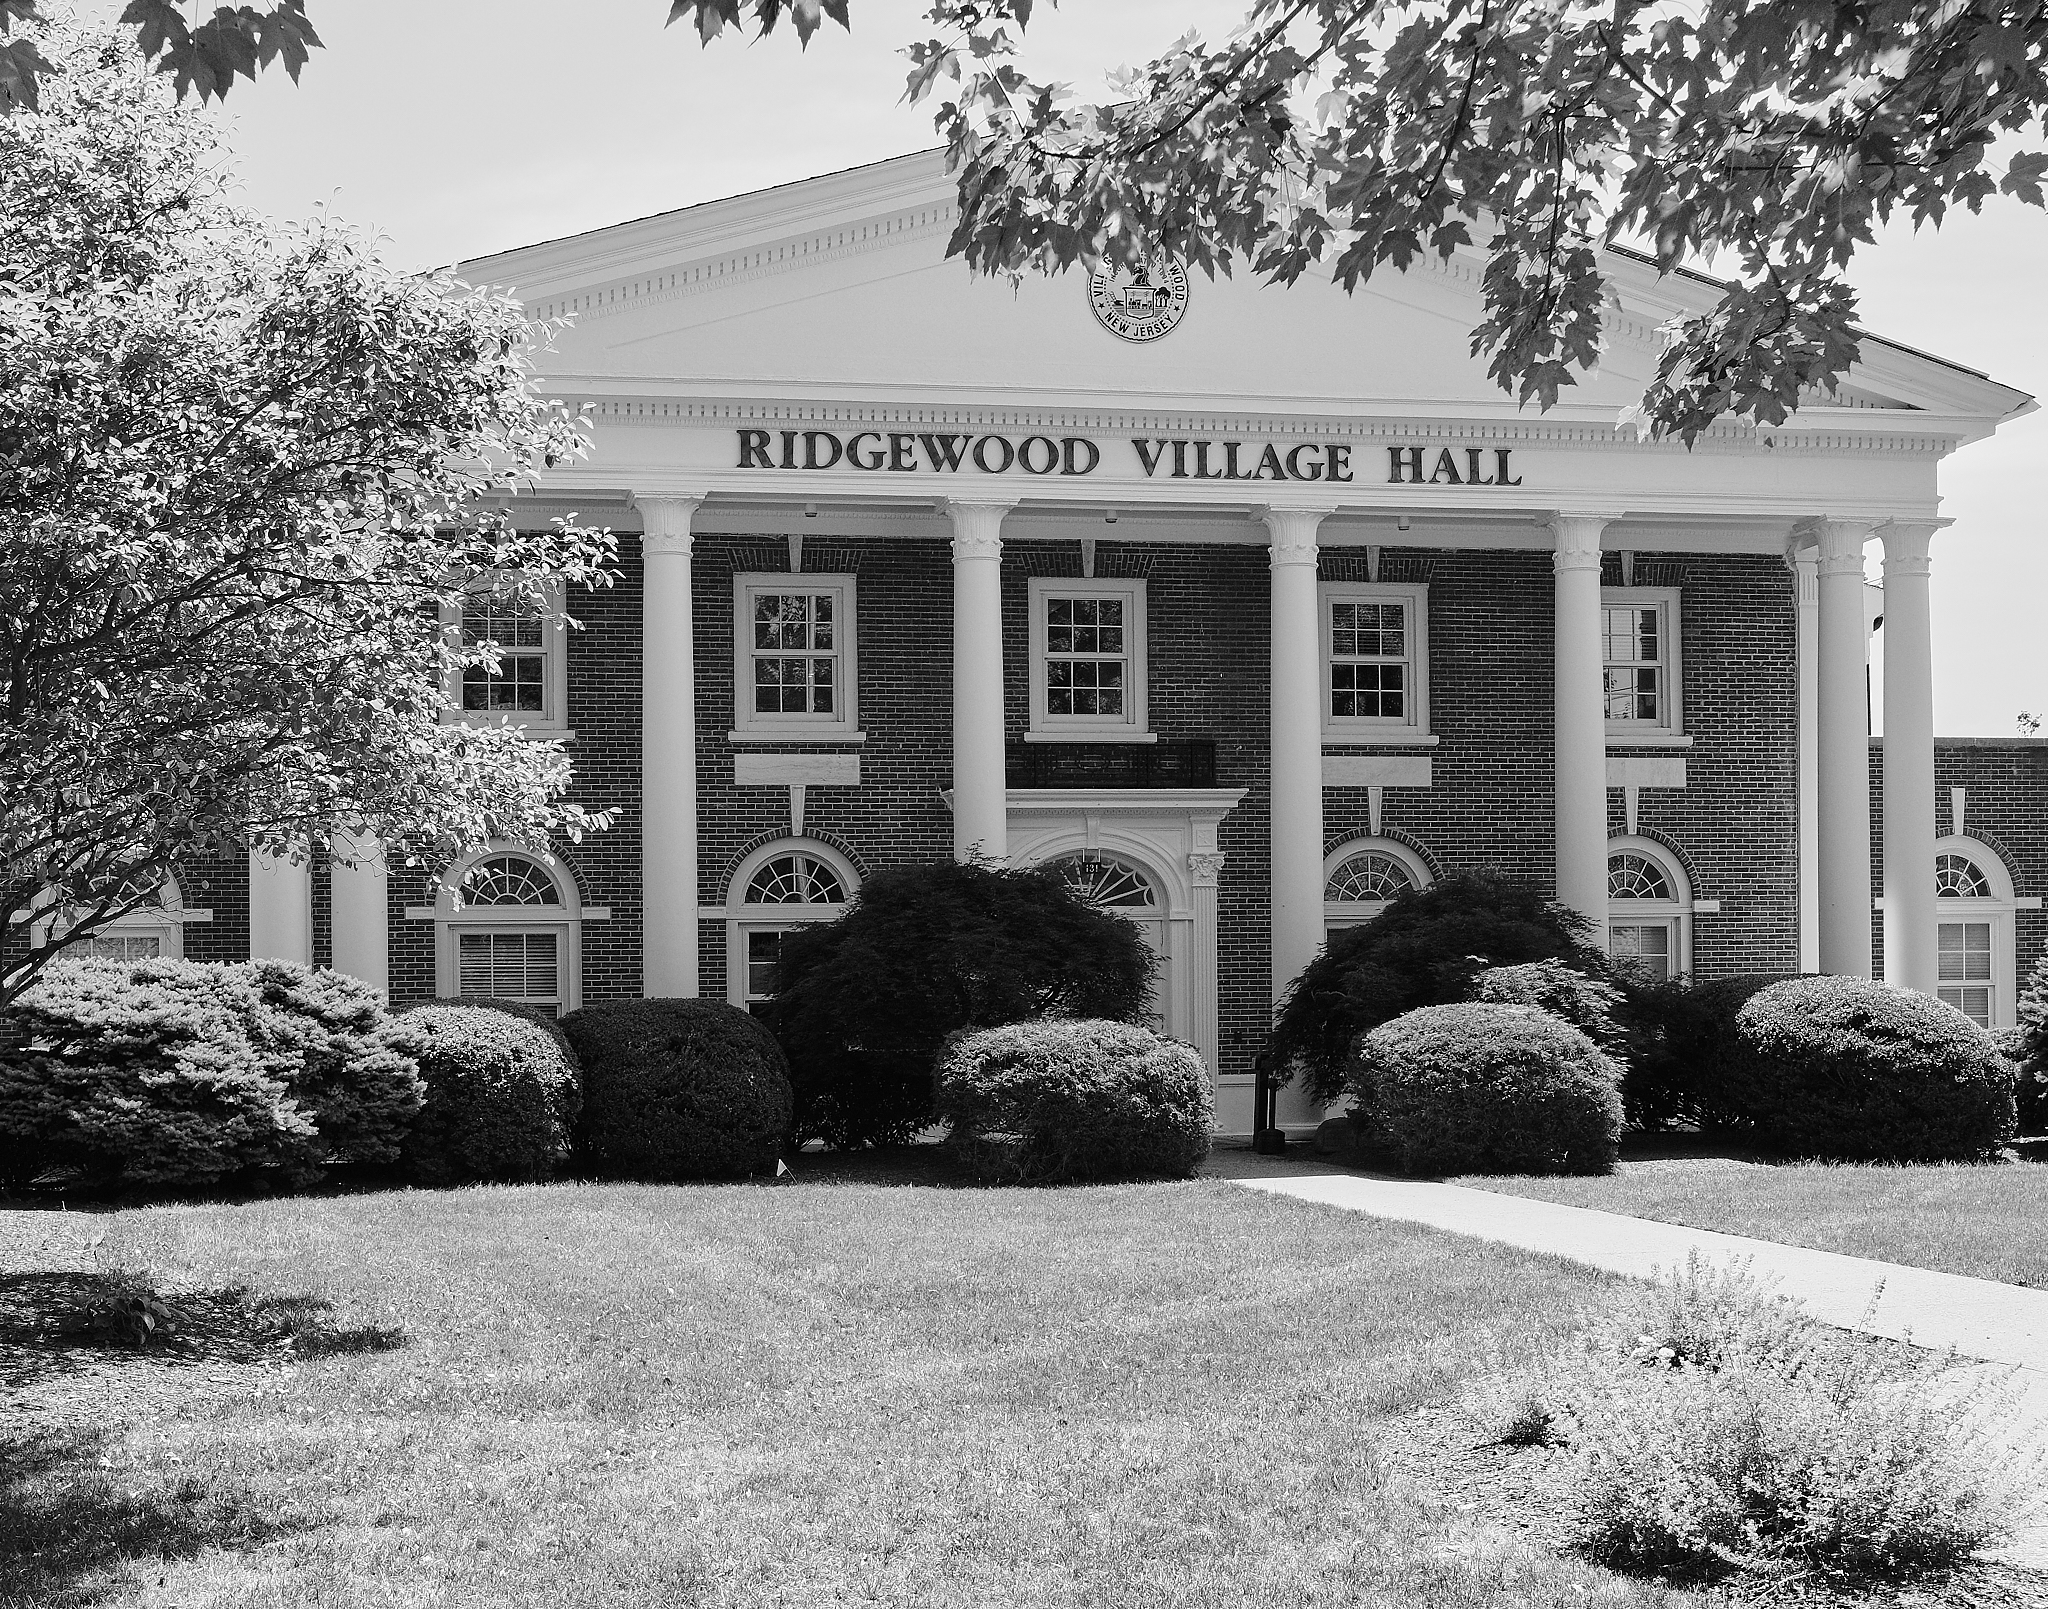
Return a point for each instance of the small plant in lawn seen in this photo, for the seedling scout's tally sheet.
(125, 1307)
(1053, 1102)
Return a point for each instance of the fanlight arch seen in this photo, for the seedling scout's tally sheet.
(1649, 908)
(1360, 878)
(790, 882)
(508, 925)
(1109, 882)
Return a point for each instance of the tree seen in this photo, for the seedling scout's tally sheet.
(1772, 136)
(245, 471)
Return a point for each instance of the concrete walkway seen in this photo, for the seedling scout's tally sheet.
(1978, 1318)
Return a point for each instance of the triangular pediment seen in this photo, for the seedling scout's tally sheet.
(840, 286)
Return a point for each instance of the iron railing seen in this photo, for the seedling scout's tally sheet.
(1188, 762)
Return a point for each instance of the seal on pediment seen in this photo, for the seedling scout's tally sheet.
(1141, 305)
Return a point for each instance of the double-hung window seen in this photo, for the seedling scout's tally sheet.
(524, 681)
(1964, 977)
(1088, 659)
(793, 663)
(1639, 654)
(1375, 654)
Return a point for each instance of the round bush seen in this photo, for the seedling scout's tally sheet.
(188, 1074)
(865, 1004)
(678, 1089)
(502, 1094)
(1684, 1055)
(1049, 1102)
(1424, 949)
(1848, 1068)
(1488, 1089)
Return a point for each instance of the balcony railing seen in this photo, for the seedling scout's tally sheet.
(1188, 762)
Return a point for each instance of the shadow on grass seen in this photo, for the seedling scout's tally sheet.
(69, 1525)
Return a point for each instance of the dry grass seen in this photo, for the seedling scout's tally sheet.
(1986, 1220)
(843, 1390)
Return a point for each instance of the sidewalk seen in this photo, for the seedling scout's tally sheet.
(1979, 1318)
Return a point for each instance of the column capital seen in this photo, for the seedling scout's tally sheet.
(1906, 545)
(977, 527)
(1575, 536)
(1839, 541)
(1206, 868)
(1293, 532)
(665, 520)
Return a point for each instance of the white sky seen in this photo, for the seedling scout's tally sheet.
(463, 127)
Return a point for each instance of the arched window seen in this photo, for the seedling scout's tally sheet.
(508, 927)
(1649, 909)
(1360, 877)
(778, 887)
(155, 929)
(1974, 935)
(1108, 883)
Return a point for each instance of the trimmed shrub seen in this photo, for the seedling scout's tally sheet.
(1424, 949)
(1850, 1069)
(1053, 1102)
(1488, 1089)
(502, 1094)
(1684, 1053)
(678, 1089)
(182, 1073)
(864, 1005)
(1587, 1004)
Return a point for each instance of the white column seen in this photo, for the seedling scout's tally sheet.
(980, 820)
(1910, 958)
(1843, 760)
(360, 882)
(280, 909)
(668, 752)
(1296, 761)
(1805, 567)
(1581, 717)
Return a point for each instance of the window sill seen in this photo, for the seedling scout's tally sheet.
(1342, 739)
(799, 734)
(1648, 740)
(546, 734)
(1089, 734)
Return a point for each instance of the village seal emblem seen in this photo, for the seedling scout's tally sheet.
(1139, 306)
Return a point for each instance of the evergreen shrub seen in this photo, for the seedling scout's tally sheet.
(1684, 1053)
(2026, 1046)
(1480, 1088)
(184, 1074)
(678, 1089)
(1424, 949)
(864, 1005)
(1053, 1102)
(502, 1094)
(1847, 1068)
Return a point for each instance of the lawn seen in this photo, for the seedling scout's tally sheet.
(1990, 1221)
(823, 1392)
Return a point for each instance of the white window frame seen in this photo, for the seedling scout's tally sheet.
(1354, 913)
(1372, 728)
(1665, 600)
(564, 919)
(742, 918)
(1997, 909)
(844, 723)
(1674, 914)
(163, 919)
(1134, 725)
(552, 719)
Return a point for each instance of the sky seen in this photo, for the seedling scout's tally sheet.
(463, 127)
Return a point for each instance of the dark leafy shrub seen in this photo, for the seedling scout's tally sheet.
(2027, 1049)
(1052, 1102)
(1488, 1089)
(863, 1005)
(678, 1089)
(1684, 1055)
(180, 1073)
(502, 1094)
(1848, 1068)
(1588, 1004)
(1424, 949)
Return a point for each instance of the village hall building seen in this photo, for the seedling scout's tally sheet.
(1247, 607)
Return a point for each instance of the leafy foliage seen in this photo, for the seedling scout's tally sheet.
(863, 1005)
(1587, 1004)
(1684, 1051)
(1488, 1089)
(678, 1089)
(1060, 1102)
(1848, 1068)
(2028, 1050)
(502, 1092)
(1425, 949)
(243, 467)
(179, 1073)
